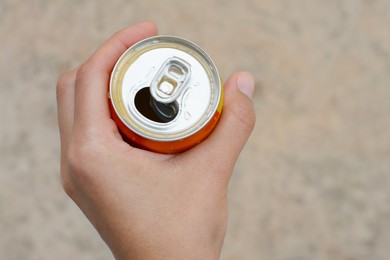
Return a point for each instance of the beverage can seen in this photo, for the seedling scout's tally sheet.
(165, 94)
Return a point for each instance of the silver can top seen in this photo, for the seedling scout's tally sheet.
(177, 73)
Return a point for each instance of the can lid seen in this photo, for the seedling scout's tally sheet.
(180, 77)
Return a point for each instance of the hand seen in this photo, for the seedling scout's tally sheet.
(147, 205)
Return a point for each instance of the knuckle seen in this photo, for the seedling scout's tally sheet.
(82, 74)
(85, 73)
(68, 186)
(73, 158)
(63, 82)
(83, 69)
(81, 156)
(69, 189)
(66, 180)
(116, 34)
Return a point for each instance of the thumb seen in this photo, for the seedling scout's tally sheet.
(238, 117)
(237, 121)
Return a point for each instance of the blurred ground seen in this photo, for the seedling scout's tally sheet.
(313, 182)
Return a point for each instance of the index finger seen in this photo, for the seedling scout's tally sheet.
(92, 80)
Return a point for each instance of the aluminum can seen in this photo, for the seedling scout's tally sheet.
(165, 94)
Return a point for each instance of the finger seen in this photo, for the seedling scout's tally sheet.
(65, 106)
(237, 120)
(65, 110)
(91, 105)
(221, 149)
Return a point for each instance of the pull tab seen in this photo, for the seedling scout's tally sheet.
(170, 80)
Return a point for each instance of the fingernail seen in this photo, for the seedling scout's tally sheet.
(246, 84)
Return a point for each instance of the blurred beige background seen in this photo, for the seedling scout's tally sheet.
(313, 181)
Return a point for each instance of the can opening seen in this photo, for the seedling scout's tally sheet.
(154, 110)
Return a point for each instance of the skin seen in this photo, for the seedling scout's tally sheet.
(146, 205)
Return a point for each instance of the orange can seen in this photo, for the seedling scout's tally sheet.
(165, 94)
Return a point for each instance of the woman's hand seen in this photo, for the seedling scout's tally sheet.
(147, 205)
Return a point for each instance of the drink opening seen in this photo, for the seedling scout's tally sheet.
(154, 110)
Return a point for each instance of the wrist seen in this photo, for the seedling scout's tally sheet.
(166, 250)
(161, 254)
